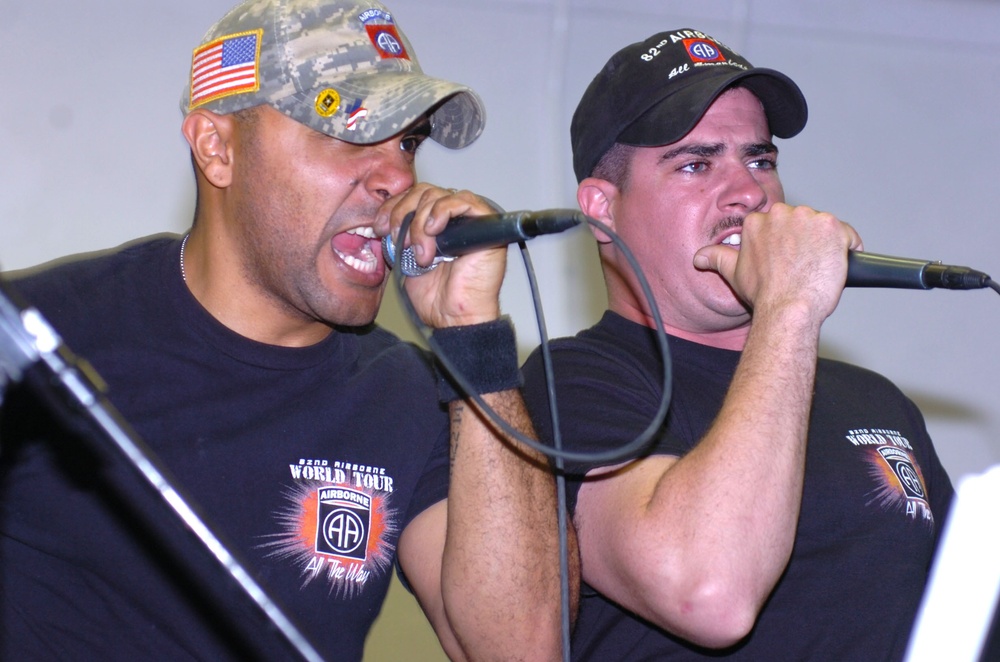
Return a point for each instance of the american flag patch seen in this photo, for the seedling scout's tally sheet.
(228, 65)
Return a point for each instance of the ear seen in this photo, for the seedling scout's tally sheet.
(596, 198)
(210, 137)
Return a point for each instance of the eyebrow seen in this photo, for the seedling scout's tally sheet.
(759, 149)
(715, 149)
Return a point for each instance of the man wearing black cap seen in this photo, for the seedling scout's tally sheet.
(789, 506)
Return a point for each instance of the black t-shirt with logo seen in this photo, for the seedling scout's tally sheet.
(307, 463)
(875, 494)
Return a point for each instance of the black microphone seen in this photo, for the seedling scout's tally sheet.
(468, 234)
(874, 270)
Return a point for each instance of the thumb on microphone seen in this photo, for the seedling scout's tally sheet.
(721, 259)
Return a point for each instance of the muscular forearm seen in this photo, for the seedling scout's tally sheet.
(501, 579)
(493, 592)
(714, 529)
(720, 522)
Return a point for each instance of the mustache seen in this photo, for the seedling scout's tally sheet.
(729, 222)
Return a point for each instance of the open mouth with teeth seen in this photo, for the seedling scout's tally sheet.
(357, 248)
(733, 240)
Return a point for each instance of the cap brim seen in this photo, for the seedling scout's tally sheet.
(388, 103)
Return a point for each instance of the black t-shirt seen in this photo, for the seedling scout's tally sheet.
(307, 462)
(874, 497)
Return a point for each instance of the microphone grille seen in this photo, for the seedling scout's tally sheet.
(407, 263)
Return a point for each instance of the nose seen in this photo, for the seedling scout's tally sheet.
(391, 170)
(743, 192)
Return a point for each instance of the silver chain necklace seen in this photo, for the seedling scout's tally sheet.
(183, 244)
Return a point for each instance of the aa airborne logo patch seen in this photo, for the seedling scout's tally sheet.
(703, 50)
(338, 525)
(386, 41)
(907, 475)
(343, 524)
(383, 34)
(899, 482)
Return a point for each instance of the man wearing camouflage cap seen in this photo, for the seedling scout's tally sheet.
(788, 506)
(244, 353)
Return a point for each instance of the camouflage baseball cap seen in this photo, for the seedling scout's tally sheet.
(341, 67)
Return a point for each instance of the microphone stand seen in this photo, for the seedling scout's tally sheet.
(28, 342)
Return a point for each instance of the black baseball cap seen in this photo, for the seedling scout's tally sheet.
(654, 92)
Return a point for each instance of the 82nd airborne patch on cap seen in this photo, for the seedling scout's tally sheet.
(387, 41)
(383, 34)
(703, 50)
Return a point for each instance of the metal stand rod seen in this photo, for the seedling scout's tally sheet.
(26, 339)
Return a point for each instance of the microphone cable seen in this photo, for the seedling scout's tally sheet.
(556, 451)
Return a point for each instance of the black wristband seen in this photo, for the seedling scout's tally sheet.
(484, 355)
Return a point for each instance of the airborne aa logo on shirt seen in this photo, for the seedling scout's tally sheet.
(337, 525)
(898, 479)
(343, 522)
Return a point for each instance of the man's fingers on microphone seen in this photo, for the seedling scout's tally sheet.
(857, 244)
(462, 203)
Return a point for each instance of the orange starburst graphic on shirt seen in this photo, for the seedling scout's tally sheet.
(885, 477)
(900, 482)
(339, 532)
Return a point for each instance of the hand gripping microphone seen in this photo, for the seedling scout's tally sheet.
(874, 270)
(468, 234)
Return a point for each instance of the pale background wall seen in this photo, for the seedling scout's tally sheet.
(902, 141)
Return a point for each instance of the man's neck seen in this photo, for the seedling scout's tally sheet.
(731, 338)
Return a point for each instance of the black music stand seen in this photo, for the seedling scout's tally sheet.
(32, 352)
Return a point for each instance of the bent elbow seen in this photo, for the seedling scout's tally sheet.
(729, 629)
(714, 617)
